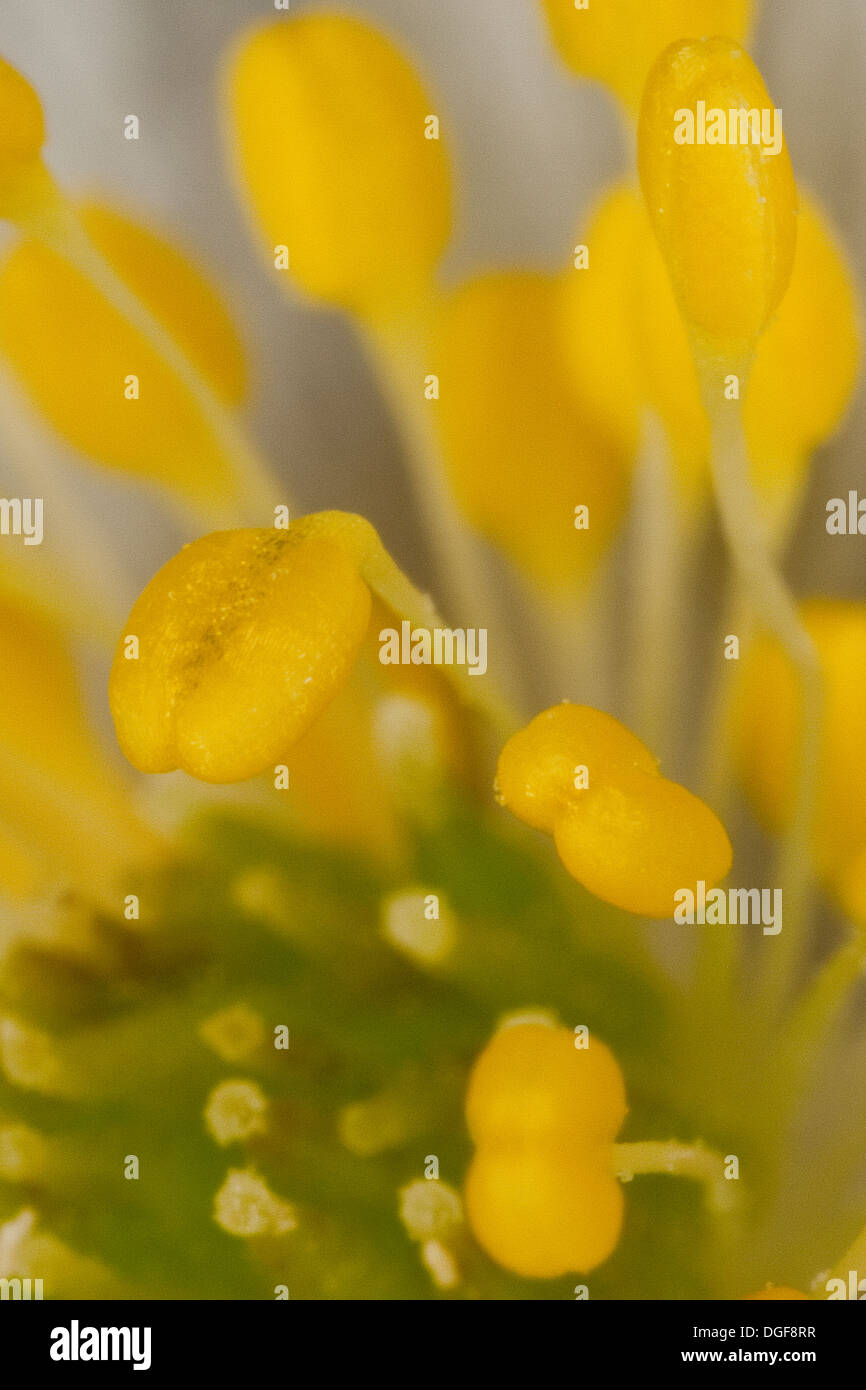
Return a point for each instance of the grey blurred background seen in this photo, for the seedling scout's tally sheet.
(532, 146)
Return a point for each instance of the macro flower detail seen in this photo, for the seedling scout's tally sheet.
(22, 124)
(242, 639)
(327, 122)
(510, 399)
(310, 1017)
(118, 399)
(541, 1194)
(65, 815)
(629, 835)
(616, 43)
(786, 412)
(725, 214)
(768, 729)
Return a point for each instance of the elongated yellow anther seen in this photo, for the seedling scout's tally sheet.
(806, 364)
(724, 208)
(22, 123)
(523, 450)
(617, 41)
(177, 291)
(61, 802)
(599, 309)
(769, 729)
(338, 158)
(629, 835)
(541, 1196)
(242, 638)
(99, 380)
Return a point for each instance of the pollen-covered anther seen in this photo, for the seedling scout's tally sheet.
(628, 834)
(419, 925)
(245, 1206)
(235, 1034)
(235, 1111)
(244, 637)
(723, 204)
(541, 1196)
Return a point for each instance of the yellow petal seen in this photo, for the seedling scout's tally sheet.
(617, 41)
(243, 637)
(521, 450)
(543, 1214)
(724, 214)
(80, 361)
(327, 119)
(532, 1085)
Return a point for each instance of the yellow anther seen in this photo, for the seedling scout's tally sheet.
(769, 729)
(542, 1213)
(626, 833)
(523, 449)
(788, 411)
(243, 638)
(177, 291)
(95, 373)
(599, 314)
(541, 1196)
(61, 802)
(616, 41)
(538, 767)
(330, 136)
(724, 212)
(22, 124)
(531, 1083)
